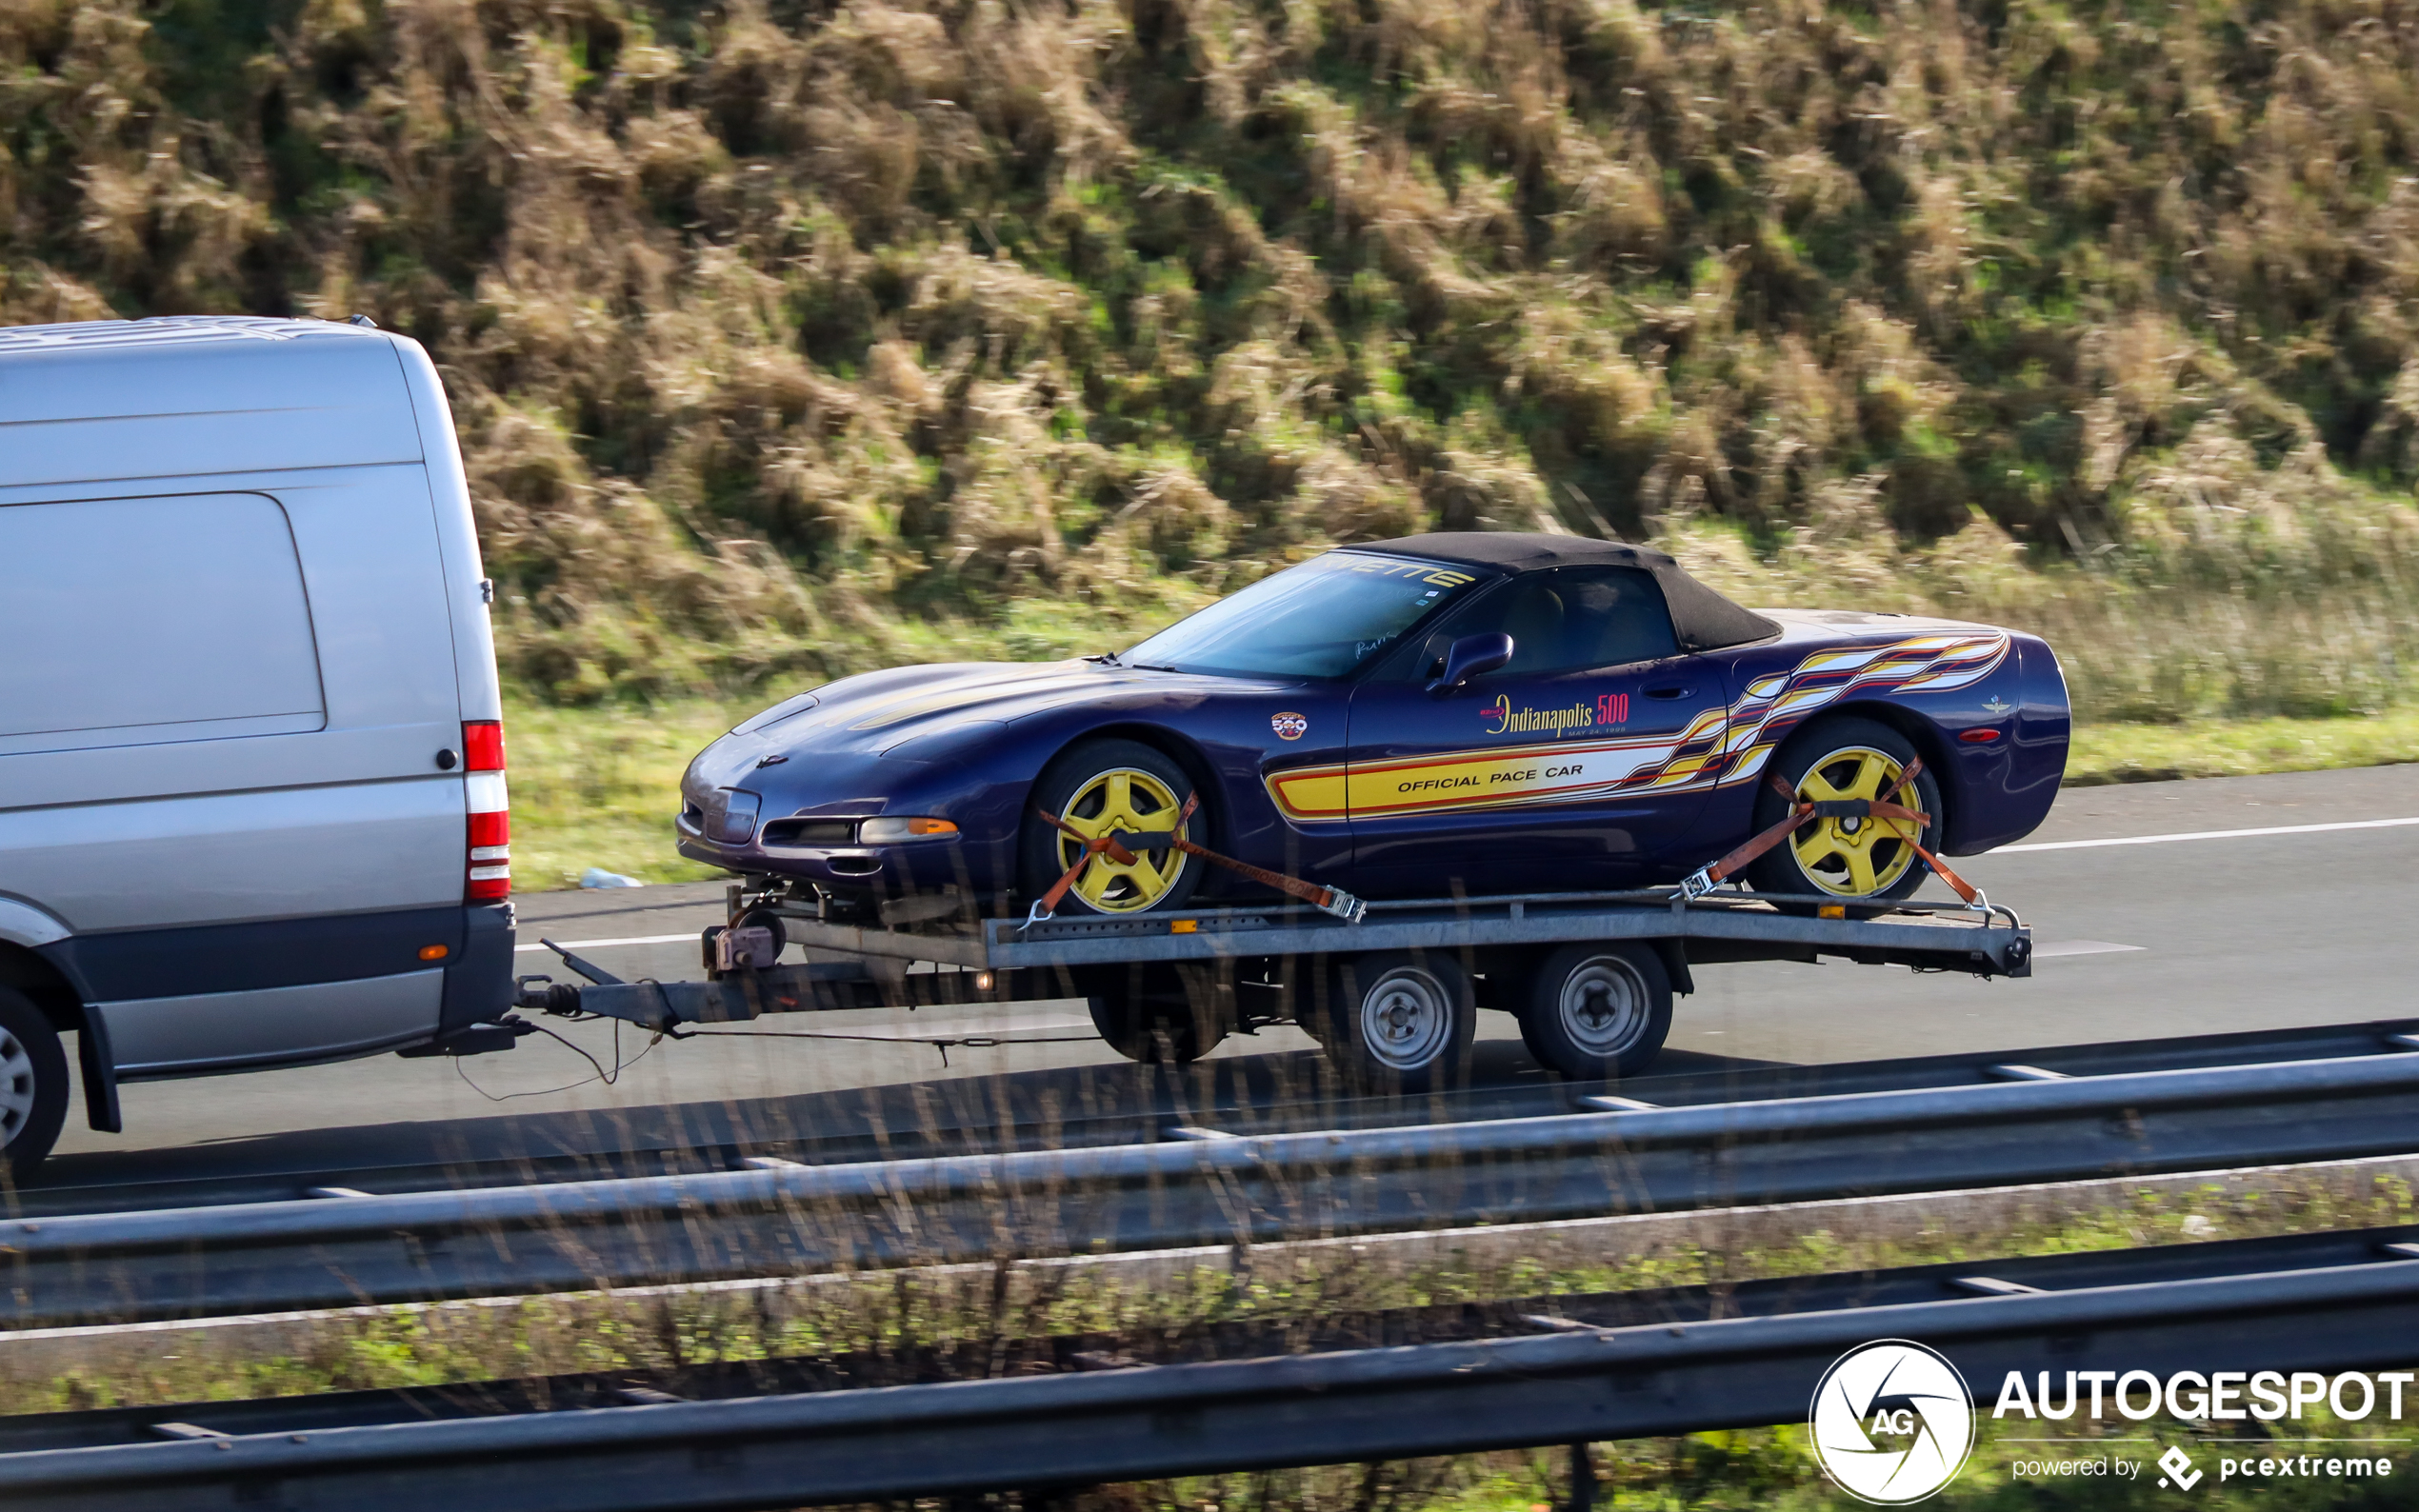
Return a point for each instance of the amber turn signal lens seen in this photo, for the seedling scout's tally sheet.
(887, 832)
(435, 952)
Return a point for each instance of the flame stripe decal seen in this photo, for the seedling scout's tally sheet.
(1720, 747)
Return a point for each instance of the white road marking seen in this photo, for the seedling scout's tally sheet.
(2079, 947)
(627, 940)
(2208, 834)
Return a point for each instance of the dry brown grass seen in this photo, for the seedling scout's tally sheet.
(785, 338)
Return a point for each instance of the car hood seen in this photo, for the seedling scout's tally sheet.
(921, 714)
(882, 711)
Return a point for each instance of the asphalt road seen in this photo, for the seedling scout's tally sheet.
(2172, 936)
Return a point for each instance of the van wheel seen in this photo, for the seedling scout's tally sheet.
(1400, 1020)
(34, 1085)
(1598, 1012)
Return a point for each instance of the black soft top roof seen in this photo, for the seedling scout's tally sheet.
(1702, 619)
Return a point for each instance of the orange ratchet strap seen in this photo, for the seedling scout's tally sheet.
(1328, 899)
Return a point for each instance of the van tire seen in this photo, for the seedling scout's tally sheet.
(34, 1087)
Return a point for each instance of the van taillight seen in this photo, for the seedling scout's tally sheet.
(489, 864)
(482, 746)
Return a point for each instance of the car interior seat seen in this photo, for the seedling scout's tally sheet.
(1534, 620)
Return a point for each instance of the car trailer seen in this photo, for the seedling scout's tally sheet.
(1392, 995)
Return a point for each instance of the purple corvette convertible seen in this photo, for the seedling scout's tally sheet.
(1489, 712)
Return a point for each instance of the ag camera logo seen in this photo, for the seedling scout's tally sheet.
(1891, 1422)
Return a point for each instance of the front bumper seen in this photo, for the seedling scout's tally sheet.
(917, 865)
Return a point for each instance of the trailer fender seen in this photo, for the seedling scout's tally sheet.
(1675, 965)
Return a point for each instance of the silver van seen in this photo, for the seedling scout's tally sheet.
(251, 789)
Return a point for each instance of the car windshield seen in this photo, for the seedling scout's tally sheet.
(1321, 619)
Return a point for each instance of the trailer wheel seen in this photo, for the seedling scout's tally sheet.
(1400, 1020)
(1145, 1014)
(1597, 1012)
(34, 1085)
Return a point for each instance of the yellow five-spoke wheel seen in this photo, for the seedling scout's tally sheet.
(1112, 788)
(1854, 858)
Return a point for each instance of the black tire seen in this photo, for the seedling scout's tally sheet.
(1832, 745)
(1400, 1020)
(1156, 884)
(34, 1087)
(1598, 1012)
(1145, 1013)
(1537, 1049)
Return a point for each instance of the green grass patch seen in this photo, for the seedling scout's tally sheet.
(555, 1335)
(599, 786)
(2238, 747)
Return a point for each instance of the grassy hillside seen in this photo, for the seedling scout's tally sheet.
(788, 338)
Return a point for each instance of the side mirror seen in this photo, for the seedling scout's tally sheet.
(1472, 656)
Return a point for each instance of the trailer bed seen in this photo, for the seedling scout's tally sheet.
(852, 966)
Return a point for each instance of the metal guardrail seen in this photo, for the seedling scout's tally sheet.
(2163, 1310)
(338, 1251)
(1251, 1096)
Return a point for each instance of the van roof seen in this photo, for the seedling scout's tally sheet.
(196, 394)
(167, 331)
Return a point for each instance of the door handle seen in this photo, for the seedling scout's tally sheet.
(1674, 690)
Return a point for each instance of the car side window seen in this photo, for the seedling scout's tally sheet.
(1571, 619)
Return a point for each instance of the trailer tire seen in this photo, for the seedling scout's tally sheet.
(34, 1087)
(1598, 1012)
(1145, 1014)
(1400, 1020)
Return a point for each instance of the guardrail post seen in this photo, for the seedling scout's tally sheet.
(1583, 1480)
